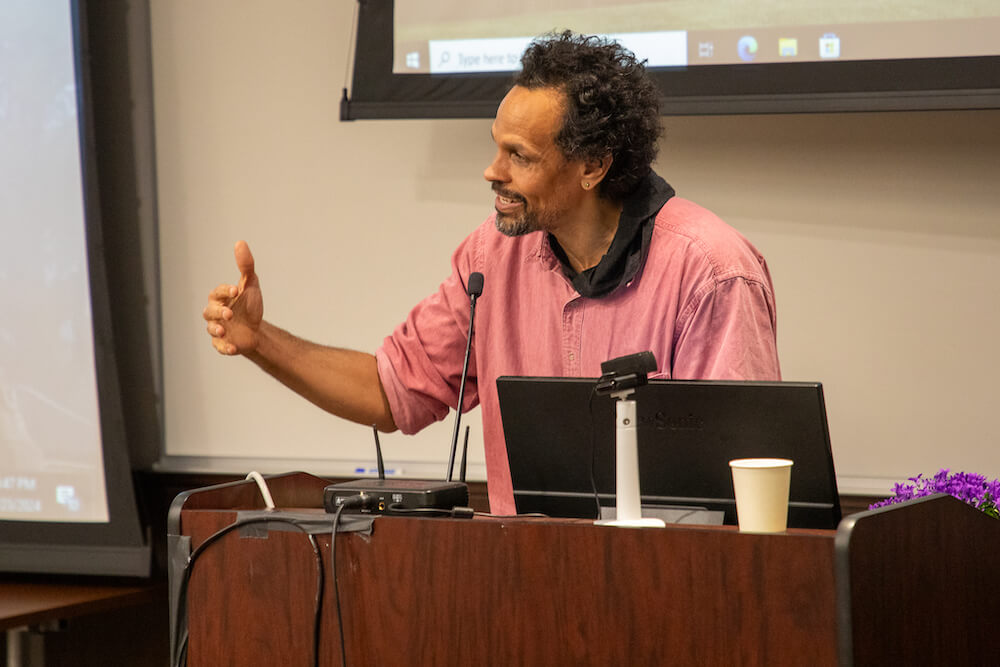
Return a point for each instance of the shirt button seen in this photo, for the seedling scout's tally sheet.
(572, 357)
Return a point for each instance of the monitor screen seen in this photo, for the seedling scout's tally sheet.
(67, 502)
(561, 444)
(454, 37)
(419, 58)
(51, 464)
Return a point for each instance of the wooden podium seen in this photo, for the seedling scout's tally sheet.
(915, 584)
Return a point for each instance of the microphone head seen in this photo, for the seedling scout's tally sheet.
(475, 284)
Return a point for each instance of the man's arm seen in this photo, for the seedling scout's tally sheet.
(731, 335)
(343, 382)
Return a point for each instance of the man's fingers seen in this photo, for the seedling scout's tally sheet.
(244, 261)
(216, 311)
(223, 293)
(222, 347)
(223, 323)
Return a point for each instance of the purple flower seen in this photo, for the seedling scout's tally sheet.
(970, 488)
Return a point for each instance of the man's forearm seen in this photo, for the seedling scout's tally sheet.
(343, 382)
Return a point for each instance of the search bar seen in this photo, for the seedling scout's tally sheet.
(453, 56)
(457, 56)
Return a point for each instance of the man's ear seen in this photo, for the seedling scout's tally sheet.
(594, 171)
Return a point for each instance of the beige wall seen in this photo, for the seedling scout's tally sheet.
(881, 231)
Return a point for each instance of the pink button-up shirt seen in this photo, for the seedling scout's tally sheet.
(703, 303)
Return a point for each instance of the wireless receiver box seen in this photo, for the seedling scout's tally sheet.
(406, 494)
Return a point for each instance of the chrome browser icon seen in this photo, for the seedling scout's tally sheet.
(747, 48)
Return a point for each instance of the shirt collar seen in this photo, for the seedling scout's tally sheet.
(628, 248)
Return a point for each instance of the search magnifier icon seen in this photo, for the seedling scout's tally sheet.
(445, 57)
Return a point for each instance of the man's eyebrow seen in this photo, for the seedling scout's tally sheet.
(511, 145)
(516, 147)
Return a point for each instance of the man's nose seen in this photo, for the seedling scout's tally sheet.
(495, 172)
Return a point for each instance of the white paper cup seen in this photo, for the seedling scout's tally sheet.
(761, 487)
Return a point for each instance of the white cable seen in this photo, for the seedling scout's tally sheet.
(264, 491)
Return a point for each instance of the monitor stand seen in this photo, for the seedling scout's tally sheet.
(627, 504)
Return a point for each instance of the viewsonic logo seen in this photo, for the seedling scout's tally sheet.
(664, 422)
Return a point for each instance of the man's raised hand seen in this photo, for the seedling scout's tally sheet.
(234, 312)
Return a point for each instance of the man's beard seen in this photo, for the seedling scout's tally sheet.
(519, 224)
(516, 225)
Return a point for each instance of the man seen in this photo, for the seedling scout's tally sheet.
(589, 256)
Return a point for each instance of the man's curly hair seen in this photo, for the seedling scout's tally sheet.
(612, 107)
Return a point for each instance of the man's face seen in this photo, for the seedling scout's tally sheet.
(536, 187)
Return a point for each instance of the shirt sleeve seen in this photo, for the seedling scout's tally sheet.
(420, 363)
(730, 334)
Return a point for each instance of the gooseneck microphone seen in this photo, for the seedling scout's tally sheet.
(414, 496)
(474, 288)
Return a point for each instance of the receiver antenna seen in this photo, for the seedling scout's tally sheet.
(378, 454)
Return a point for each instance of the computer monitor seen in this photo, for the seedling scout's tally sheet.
(561, 445)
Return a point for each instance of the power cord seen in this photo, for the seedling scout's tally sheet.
(264, 490)
(453, 513)
(181, 637)
(360, 501)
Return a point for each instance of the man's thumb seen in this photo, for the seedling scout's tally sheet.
(244, 261)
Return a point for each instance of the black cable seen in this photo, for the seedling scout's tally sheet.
(456, 513)
(593, 451)
(318, 609)
(336, 583)
(181, 638)
(182, 598)
(397, 509)
(359, 501)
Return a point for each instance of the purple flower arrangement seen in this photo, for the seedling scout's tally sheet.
(968, 487)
